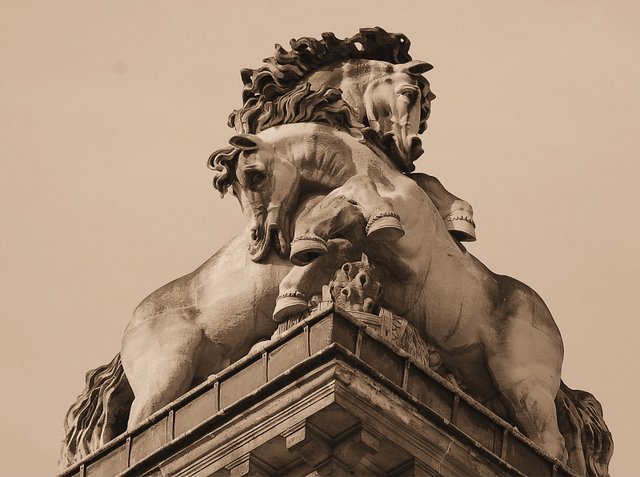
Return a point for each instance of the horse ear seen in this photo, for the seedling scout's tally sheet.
(415, 67)
(246, 142)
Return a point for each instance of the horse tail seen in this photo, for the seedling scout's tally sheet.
(99, 414)
(587, 437)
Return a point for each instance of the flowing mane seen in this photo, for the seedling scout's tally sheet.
(287, 69)
(300, 105)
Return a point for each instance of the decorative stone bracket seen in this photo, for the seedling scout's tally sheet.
(329, 456)
(250, 466)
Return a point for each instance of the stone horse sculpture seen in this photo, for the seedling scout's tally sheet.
(385, 88)
(222, 308)
(195, 325)
(394, 101)
(300, 153)
(494, 333)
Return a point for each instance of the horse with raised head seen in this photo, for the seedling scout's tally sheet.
(391, 103)
(494, 333)
(385, 88)
(394, 100)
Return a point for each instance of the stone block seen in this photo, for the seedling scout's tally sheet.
(195, 412)
(475, 424)
(382, 359)
(242, 383)
(521, 456)
(113, 463)
(151, 439)
(430, 393)
(291, 352)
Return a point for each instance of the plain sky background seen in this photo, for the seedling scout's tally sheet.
(109, 110)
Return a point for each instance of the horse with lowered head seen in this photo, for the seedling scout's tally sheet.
(200, 323)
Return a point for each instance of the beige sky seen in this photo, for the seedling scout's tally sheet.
(108, 111)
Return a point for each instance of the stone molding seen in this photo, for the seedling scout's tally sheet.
(288, 396)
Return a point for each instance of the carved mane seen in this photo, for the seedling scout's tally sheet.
(287, 69)
(300, 105)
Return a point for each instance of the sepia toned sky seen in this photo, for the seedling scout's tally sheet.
(109, 110)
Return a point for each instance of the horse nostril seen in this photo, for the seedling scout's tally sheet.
(415, 150)
(345, 292)
(254, 234)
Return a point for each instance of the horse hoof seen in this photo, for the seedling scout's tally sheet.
(461, 227)
(385, 226)
(305, 250)
(288, 305)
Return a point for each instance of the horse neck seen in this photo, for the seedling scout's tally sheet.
(324, 157)
(352, 77)
(327, 157)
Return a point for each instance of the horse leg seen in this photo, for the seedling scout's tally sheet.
(333, 216)
(159, 357)
(382, 221)
(531, 402)
(457, 213)
(355, 210)
(301, 283)
(525, 361)
(317, 251)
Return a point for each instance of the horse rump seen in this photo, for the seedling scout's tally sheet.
(587, 437)
(99, 414)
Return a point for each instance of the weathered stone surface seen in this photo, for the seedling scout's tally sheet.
(321, 166)
(333, 412)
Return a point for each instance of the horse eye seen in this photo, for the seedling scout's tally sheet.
(254, 178)
(409, 94)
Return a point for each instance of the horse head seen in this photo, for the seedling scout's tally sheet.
(267, 187)
(393, 107)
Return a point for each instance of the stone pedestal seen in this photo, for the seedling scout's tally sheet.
(328, 398)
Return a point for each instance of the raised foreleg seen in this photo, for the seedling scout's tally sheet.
(456, 213)
(301, 283)
(382, 221)
(355, 211)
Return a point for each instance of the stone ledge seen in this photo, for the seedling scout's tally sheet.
(328, 363)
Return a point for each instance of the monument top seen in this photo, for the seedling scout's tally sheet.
(329, 382)
(321, 164)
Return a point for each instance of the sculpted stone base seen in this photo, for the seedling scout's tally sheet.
(327, 398)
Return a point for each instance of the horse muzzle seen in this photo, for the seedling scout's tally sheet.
(262, 236)
(403, 149)
(413, 147)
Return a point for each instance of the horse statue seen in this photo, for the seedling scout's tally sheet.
(195, 325)
(494, 333)
(224, 307)
(385, 88)
(394, 101)
(319, 187)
